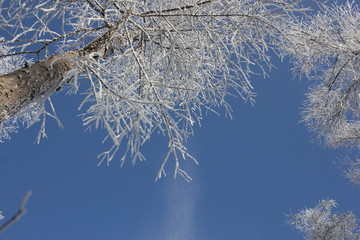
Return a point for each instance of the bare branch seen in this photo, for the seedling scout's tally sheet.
(21, 212)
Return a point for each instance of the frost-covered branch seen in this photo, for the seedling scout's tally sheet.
(328, 51)
(353, 169)
(319, 223)
(148, 66)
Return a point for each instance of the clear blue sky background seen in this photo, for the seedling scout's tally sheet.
(253, 170)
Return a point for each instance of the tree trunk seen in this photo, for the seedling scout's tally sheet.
(19, 88)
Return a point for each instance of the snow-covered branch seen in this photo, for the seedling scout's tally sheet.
(328, 51)
(319, 223)
(149, 66)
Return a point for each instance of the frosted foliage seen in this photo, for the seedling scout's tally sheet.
(8, 64)
(319, 223)
(327, 49)
(159, 65)
(353, 170)
(165, 71)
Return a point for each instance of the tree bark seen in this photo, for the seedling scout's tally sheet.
(19, 88)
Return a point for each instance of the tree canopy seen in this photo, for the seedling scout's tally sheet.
(145, 66)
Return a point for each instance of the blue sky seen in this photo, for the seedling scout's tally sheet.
(253, 170)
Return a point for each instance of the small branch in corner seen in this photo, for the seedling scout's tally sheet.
(21, 212)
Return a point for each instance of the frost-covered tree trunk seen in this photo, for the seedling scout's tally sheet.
(39, 80)
(21, 87)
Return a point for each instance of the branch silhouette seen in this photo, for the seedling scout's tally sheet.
(21, 212)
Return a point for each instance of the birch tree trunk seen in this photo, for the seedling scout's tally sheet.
(20, 87)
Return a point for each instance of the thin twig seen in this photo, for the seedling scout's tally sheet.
(21, 212)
